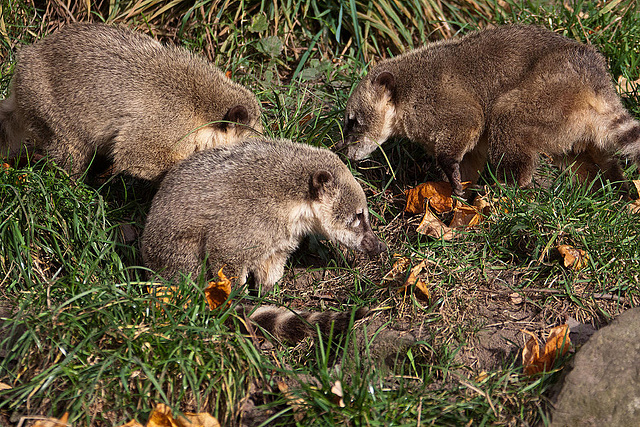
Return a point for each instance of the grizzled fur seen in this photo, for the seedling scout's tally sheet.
(95, 89)
(247, 207)
(506, 94)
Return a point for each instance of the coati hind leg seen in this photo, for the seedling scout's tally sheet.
(511, 153)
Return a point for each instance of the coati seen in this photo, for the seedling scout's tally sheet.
(247, 207)
(96, 89)
(506, 94)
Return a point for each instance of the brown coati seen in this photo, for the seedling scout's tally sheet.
(247, 207)
(506, 94)
(95, 89)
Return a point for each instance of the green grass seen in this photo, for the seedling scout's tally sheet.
(87, 337)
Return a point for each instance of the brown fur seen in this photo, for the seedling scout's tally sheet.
(93, 89)
(247, 207)
(505, 94)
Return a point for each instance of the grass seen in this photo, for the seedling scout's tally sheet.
(87, 337)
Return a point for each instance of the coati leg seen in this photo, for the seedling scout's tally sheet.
(270, 271)
(460, 136)
(142, 158)
(512, 152)
(68, 154)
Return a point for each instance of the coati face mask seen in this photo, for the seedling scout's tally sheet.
(369, 116)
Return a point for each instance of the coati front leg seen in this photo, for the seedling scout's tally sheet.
(269, 271)
(452, 146)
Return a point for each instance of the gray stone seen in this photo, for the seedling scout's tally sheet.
(603, 389)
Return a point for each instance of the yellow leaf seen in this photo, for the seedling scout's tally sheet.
(557, 344)
(218, 292)
(575, 259)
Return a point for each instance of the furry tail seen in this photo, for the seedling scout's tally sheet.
(11, 128)
(293, 326)
(625, 132)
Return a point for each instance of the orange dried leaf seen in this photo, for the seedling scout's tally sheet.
(218, 292)
(433, 227)
(575, 259)
(437, 194)
(161, 416)
(557, 344)
(228, 74)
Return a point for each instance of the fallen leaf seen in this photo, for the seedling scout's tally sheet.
(433, 227)
(420, 288)
(164, 294)
(53, 422)
(465, 216)
(557, 344)
(228, 74)
(625, 86)
(218, 292)
(161, 416)
(398, 270)
(296, 403)
(336, 389)
(576, 259)
(201, 419)
(4, 386)
(481, 376)
(436, 194)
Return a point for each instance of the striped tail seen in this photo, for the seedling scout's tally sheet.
(626, 135)
(293, 326)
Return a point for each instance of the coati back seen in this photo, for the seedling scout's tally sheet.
(506, 94)
(96, 89)
(247, 207)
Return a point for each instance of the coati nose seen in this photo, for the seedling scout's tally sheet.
(372, 246)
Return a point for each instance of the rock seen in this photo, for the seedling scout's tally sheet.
(603, 389)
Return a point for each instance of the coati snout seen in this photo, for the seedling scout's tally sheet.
(247, 207)
(504, 94)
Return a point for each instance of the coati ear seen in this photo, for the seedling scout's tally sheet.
(237, 114)
(319, 181)
(387, 80)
